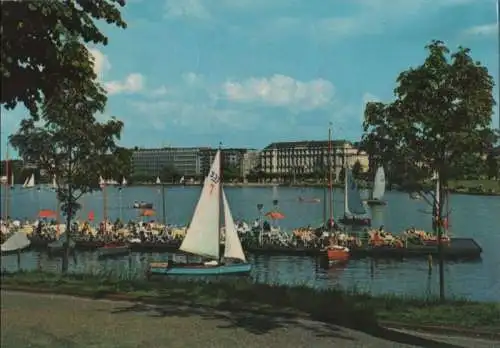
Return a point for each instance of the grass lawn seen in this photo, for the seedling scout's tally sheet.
(347, 308)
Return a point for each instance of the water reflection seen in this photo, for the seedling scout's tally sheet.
(410, 277)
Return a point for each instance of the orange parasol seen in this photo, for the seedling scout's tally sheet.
(47, 213)
(275, 215)
(147, 212)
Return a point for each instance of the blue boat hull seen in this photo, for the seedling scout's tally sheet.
(201, 270)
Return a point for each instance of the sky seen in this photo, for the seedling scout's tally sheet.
(250, 72)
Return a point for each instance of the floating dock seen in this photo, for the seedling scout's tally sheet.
(457, 248)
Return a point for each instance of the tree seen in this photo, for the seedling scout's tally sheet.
(442, 111)
(168, 173)
(492, 166)
(231, 172)
(36, 57)
(73, 147)
(356, 169)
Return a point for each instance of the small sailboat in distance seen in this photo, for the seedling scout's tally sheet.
(378, 188)
(354, 210)
(203, 235)
(29, 182)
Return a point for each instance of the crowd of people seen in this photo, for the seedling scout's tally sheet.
(261, 233)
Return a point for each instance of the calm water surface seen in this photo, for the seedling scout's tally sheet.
(472, 216)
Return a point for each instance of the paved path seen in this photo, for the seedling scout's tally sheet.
(54, 321)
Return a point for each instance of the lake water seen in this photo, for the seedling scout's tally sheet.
(477, 217)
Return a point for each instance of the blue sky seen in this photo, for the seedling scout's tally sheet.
(251, 72)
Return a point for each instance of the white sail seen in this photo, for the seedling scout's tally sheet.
(232, 245)
(17, 241)
(30, 181)
(102, 182)
(124, 182)
(158, 181)
(275, 192)
(12, 179)
(353, 203)
(54, 182)
(379, 184)
(202, 235)
(182, 180)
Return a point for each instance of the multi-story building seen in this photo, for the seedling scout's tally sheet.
(308, 157)
(185, 161)
(230, 157)
(249, 162)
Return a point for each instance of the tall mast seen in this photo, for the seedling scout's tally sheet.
(220, 196)
(330, 186)
(6, 195)
(498, 51)
(105, 204)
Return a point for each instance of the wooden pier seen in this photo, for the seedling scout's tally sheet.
(457, 248)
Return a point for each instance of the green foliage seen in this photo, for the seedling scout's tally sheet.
(356, 169)
(351, 308)
(231, 172)
(169, 174)
(37, 55)
(492, 166)
(441, 114)
(70, 145)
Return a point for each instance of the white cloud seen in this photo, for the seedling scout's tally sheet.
(192, 78)
(197, 117)
(482, 30)
(186, 8)
(368, 97)
(132, 83)
(280, 90)
(159, 92)
(101, 62)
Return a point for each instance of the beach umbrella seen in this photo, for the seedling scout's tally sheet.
(275, 215)
(147, 212)
(47, 213)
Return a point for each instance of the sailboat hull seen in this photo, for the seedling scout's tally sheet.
(163, 268)
(376, 202)
(355, 221)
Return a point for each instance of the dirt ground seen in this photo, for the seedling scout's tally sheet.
(53, 321)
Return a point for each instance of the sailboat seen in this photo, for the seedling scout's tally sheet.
(203, 235)
(378, 188)
(158, 181)
(335, 253)
(17, 242)
(29, 182)
(12, 182)
(354, 210)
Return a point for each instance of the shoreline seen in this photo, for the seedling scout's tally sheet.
(456, 191)
(351, 309)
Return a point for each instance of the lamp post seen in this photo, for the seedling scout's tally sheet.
(260, 208)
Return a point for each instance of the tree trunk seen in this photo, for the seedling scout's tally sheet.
(440, 226)
(65, 258)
